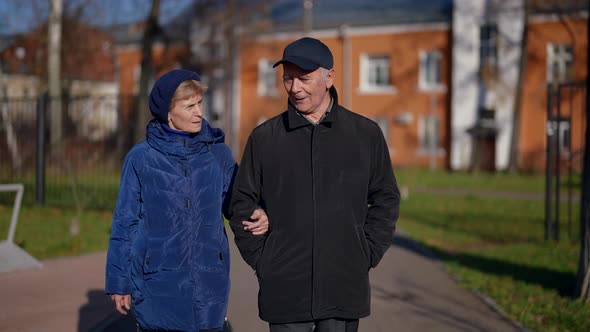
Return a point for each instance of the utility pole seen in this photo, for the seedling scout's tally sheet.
(230, 74)
(346, 65)
(54, 75)
(307, 16)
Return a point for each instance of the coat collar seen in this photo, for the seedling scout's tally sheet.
(180, 145)
(294, 120)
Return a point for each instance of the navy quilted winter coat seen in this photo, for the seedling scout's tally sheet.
(168, 246)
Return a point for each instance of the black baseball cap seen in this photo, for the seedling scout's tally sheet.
(308, 54)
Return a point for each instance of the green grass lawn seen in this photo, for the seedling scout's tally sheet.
(496, 246)
(44, 232)
(416, 177)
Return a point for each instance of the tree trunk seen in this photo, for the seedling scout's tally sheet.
(583, 284)
(229, 75)
(141, 111)
(517, 108)
(54, 75)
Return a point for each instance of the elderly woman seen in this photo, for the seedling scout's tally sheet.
(168, 255)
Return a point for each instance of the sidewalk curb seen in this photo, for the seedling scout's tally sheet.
(482, 297)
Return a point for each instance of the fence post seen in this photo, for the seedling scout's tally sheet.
(40, 145)
(549, 169)
(557, 164)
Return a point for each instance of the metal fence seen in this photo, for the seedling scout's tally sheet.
(566, 127)
(79, 169)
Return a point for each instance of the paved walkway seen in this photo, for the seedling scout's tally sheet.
(410, 292)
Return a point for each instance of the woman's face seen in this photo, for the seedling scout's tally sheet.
(187, 114)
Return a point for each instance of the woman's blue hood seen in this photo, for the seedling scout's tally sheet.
(164, 89)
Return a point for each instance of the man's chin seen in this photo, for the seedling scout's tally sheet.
(302, 110)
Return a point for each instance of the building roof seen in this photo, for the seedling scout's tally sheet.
(132, 33)
(288, 14)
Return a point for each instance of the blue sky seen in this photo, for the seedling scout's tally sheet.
(17, 16)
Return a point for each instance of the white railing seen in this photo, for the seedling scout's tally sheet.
(19, 188)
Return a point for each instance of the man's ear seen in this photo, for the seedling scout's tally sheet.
(330, 78)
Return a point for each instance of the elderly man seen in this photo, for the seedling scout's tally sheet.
(324, 176)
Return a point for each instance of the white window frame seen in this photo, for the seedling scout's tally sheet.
(426, 68)
(424, 148)
(488, 49)
(367, 63)
(564, 128)
(267, 78)
(562, 56)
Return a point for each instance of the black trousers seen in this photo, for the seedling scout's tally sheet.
(324, 325)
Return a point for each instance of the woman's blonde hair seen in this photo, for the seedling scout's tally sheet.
(187, 89)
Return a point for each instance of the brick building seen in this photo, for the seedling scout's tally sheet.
(440, 78)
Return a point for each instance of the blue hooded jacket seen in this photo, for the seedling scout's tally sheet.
(168, 246)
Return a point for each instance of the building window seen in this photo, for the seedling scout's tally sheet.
(375, 73)
(559, 63)
(428, 135)
(429, 76)
(565, 135)
(488, 48)
(267, 78)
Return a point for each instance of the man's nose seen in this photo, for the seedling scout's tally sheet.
(296, 85)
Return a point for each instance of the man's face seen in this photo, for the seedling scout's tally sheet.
(187, 114)
(308, 90)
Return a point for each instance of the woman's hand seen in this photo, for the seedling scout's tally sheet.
(122, 302)
(259, 225)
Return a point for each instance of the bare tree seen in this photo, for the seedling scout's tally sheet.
(152, 29)
(216, 30)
